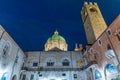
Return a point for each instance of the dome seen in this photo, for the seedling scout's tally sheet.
(56, 37)
(56, 42)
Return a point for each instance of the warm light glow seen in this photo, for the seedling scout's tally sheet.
(3, 73)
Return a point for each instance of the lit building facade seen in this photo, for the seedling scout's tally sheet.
(104, 50)
(11, 57)
(55, 63)
(99, 60)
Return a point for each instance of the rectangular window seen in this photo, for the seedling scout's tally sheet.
(66, 64)
(63, 74)
(35, 64)
(75, 75)
(40, 75)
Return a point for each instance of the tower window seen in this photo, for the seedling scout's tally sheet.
(35, 64)
(93, 10)
(65, 62)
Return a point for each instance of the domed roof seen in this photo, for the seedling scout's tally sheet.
(56, 37)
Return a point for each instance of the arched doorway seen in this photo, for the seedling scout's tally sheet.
(4, 76)
(110, 72)
(14, 77)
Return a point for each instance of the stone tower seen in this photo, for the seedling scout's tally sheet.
(93, 21)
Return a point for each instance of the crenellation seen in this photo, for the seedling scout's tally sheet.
(95, 3)
(91, 21)
(90, 3)
(85, 3)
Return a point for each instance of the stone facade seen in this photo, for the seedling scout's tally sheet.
(99, 61)
(11, 57)
(55, 65)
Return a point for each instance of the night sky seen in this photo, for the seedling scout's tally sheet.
(31, 22)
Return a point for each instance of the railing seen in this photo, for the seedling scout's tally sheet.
(59, 69)
(53, 69)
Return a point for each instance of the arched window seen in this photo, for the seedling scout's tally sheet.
(50, 63)
(65, 62)
(110, 69)
(97, 75)
(6, 49)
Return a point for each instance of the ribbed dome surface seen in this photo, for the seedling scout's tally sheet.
(56, 37)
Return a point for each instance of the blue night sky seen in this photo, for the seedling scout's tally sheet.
(31, 22)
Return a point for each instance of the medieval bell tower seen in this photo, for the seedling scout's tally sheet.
(93, 21)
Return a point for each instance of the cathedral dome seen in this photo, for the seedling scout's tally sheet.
(56, 37)
(56, 41)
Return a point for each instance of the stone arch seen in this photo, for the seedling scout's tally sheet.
(14, 77)
(22, 76)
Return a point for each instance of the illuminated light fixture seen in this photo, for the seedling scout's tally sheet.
(110, 69)
(3, 77)
(97, 75)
